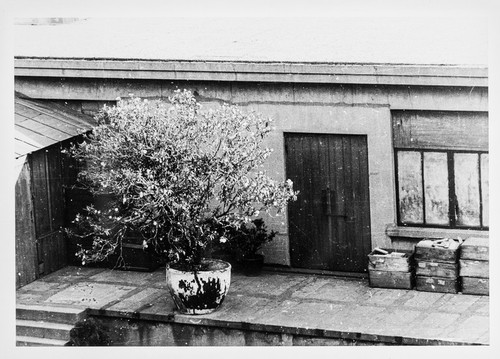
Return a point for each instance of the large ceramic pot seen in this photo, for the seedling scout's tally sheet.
(202, 291)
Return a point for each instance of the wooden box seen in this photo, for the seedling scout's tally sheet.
(388, 279)
(472, 268)
(390, 268)
(393, 261)
(437, 269)
(480, 286)
(436, 284)
(437, 250)
(475, 249)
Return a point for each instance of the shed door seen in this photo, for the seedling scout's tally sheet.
(329, 224)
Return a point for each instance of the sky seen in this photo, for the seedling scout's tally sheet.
(407, 40)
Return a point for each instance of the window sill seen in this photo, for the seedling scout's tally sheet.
(419, 232)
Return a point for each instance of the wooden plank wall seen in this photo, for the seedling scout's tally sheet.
(26, 253)
(41, 246)
(440, 130)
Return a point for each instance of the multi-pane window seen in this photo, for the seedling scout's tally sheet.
(442, 188)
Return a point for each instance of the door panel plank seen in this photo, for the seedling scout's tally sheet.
(365, 196)
(306, 254)
(349, 241)
(357, 240)
(336, 220)
(325, 224)
(316, 203)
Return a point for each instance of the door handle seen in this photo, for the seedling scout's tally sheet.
(326, 198)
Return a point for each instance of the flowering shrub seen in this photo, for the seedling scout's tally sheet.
(175, 173)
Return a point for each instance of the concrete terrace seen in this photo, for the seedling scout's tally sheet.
(322, 309)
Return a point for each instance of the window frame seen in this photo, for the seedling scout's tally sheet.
(452, 198)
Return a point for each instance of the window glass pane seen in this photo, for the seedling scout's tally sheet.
(436, 188)
(485, 189)
(410, 187)
(467, 188)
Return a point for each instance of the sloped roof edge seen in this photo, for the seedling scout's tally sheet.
(42, 124)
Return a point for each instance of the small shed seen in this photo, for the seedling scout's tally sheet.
(42, 130)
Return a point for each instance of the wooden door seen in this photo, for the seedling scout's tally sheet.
(329, 224)
(48, 208)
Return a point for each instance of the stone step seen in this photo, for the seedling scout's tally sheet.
(37, 342)
(49, 314)
(41, 329)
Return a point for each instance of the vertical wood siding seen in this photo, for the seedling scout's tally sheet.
(440, 130)
(26, 253)
(41, 214)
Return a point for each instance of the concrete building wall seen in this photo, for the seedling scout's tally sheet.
(396, 97)
(311, 108)
(136, 332)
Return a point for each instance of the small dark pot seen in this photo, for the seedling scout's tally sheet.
(252, 266)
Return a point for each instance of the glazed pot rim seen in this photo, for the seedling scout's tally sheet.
(214, 265)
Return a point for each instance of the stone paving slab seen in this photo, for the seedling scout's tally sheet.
(274, 285)
(392, 321)
(345, 291)
(90, 294)
(277, 300)
(72, 274)
(125, 277)
(378, 296)
(421, 300)
(432, 325)
(482, 305)
(161, 306)
(246, 309)
(143, 298)
(456, 303)
(470, 328)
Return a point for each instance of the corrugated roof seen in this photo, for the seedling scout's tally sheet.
(433, 40)
(41, 124)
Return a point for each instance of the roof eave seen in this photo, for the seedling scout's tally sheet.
(39, 125)
(242, 71)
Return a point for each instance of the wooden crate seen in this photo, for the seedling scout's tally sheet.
(134, 257)
(394, 269)
(473, 268)
(437, 250)
(436, 284)
(389, 279)
(475, 249)
(472, 285)
(391, 262)
(437, 269)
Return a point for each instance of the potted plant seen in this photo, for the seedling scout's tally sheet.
(245, 242)
(176, 175)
